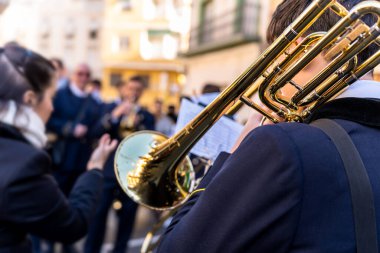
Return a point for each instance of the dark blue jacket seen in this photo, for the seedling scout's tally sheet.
(112, 126)
(67, 106)
(31, 202)
(283, 190)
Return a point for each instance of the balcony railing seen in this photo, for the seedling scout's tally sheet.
(238, 25)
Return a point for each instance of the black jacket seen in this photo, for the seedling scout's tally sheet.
(70, 110)
(30, 200)
(284, 190)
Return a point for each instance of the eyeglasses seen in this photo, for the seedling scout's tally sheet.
(86, 74)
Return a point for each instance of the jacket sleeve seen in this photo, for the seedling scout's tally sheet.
(105, 123)
(150, 122)
(36, 205)
(250, 205)
(57, 124)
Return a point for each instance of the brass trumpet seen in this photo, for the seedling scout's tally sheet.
(128, 123)
(154, 170)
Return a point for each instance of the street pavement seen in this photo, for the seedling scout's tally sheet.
(145, 219)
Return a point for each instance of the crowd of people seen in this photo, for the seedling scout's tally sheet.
(73, 130)
(80, 117)
(284, 187)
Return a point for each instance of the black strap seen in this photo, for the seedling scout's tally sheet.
(82, 110)
(360, 187)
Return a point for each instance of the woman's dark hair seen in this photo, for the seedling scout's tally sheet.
(288, 10)
(22, 70)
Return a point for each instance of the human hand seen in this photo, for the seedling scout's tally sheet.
(80, 131)
(122, 109)
(100, 155)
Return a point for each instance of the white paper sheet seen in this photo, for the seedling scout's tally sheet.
(221, 137)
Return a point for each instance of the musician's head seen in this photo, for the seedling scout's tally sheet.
(289, 10)
(81, 76)
(26, 79)
(59, 67)
(132, 89)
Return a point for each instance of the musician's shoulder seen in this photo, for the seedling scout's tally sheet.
(284, 134)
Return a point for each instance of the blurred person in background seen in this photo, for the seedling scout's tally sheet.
(72, 121)
(120, 118)
(209, 92)
(94, 87)
(172, 113)
(31, 202)
(164, 124)
(62, 80)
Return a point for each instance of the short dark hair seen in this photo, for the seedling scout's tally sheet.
(287, 11)
(96, 83)
(139, 79)
(210, 88)
(22, 70)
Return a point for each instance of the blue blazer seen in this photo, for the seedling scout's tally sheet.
(67, 106)
(283, 190)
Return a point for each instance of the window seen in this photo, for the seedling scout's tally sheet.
(159, 44)
(124, 5)
(115, 79)
(124, 43)
(45, 30)
(70, 30)
(207, 14)
(120, 43)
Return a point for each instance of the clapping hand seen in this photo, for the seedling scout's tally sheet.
(100, 154)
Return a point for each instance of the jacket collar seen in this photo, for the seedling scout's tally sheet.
(10, 132)
(365, 111)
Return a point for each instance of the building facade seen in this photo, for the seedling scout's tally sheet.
(67, 29)
(142, 37)
(225, 38)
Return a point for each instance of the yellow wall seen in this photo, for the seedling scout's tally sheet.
(128, 62)
(152, 92)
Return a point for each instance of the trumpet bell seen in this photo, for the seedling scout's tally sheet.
(157, 188)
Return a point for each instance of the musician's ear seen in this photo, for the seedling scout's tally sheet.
(30, 98)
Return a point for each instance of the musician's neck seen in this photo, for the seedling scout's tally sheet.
(368, 76)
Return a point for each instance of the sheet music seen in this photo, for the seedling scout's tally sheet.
(221, 137)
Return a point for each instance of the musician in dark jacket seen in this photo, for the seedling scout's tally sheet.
(284, 187)
(30, 200)
(120, 119)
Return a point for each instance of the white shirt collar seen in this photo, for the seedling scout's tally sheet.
(76, 91)
(27, 121)
(362, 89)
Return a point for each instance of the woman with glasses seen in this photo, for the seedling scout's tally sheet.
(30, 200)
